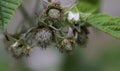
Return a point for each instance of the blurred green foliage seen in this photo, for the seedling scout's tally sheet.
(4, 65)
(76, 62)
(93, 2)
(110, 58)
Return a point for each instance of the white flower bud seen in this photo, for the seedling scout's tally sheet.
(73, 17)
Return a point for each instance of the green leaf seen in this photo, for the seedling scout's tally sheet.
(7, 10)
(105, 23)
(86, 7)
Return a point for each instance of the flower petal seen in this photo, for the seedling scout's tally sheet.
(76, 16)
(73, 16)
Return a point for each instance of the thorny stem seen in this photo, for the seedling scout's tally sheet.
(75, 28)
(9, 36)
(30, 30)
(54, 28)
(40, 21)
(60, 36)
